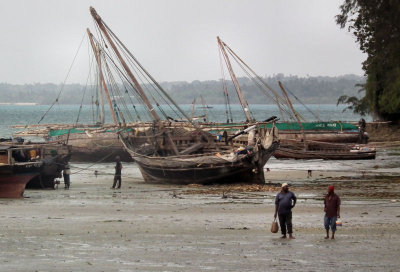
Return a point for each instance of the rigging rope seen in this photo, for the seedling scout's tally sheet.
(276, 100)
(124, 78)
(102, 159)
(140, 74)
(120, 73)
(150, 77)
(228, 110)
(65, 80)
(84, 92)
(237, 91)
(287, 89)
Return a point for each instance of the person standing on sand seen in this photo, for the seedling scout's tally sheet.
(332, 211)
(66, 173)
(284, 203)
(117, 175)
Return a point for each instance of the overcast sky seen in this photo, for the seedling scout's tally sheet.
(176, 39)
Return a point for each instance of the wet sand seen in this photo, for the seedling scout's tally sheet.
(198, 228)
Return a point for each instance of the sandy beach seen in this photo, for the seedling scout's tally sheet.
(146, 227)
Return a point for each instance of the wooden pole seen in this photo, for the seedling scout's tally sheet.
(98, 59)
(235, 82)
(101, 99)
(204, 107)
(193, 104)
(295, 113)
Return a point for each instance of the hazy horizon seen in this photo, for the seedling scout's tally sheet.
(176, 40)
(191, 81)
(308, 89)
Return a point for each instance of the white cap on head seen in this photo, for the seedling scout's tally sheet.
(284, 184)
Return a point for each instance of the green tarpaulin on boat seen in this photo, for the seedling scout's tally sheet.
(59, 132)
(333, 126)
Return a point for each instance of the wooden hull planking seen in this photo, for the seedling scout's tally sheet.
(287, 153)
(13, 178)
(95, 147)
(164, 170)
(331, 137)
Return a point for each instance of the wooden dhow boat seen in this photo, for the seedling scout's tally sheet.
(89, 143)
(201, 159)
(52, 157)
(166, 153)
(326, 151)
(100, 142)
(305, 148)
(15, 173)
(325, 131)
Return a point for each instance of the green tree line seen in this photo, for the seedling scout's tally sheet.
(376, 26)
(311, 90)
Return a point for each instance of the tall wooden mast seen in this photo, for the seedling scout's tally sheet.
(100, 102)
(243, 102)
(146, 101)
(98, 59)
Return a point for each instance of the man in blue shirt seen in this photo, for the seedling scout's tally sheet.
(284, 203)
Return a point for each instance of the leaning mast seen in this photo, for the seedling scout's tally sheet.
(243, 102)
(102, 81)
(146, 101)
(143, 96)
(295, 114)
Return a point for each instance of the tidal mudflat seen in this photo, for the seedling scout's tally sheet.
(196, 228)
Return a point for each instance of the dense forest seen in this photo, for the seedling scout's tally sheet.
(310, 90)
(375, 25)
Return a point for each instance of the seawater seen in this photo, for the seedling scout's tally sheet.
(66, 114)
(386, 162)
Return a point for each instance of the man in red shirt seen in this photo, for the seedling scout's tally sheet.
(332, 211)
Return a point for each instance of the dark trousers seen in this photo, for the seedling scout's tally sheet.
(66, 180)
(117, 178)
(285, 220)
(330, 222)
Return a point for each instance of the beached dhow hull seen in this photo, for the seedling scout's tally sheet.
(87, 146)
(102, 144)
(325, 151)
(13, 178)
(285, 153)
(52, 159)
(331, 137)
(201, 161)
(16, 171)
(207, 169)
(13, 186)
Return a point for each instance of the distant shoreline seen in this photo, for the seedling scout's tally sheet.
(21, 104)
(180, 104)
(309, 90)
